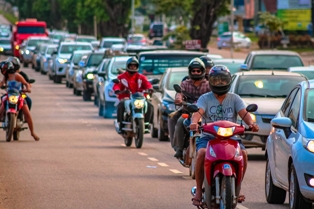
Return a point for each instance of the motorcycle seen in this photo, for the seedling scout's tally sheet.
(133, 118)
(14, 117)
(189, 150)
(223, 163)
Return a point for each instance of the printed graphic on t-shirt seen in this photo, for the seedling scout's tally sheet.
(221, 113)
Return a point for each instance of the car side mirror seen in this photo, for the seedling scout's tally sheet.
(156, 87)
(283, 123)
(115, 80)
(154, 81)
(243, 67)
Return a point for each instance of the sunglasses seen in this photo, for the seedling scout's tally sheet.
(196, 71)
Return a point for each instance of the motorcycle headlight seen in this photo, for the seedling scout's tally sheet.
(62, 61)
(308, 144)
(139, 103)
(13, 99)
(90, 76)
(225, 132)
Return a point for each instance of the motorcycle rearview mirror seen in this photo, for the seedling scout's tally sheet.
(177, 88)
(251, 108)
(192, 108)
(115, 80)
(31, 81)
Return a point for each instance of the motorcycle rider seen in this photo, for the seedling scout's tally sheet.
(15, 80)
(214, 106)
(17, 65)
(196, 85)
(134, 82)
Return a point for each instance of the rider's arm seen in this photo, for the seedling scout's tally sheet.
(197, 115)
(20, 78)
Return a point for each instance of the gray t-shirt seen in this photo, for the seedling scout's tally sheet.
(215, 111)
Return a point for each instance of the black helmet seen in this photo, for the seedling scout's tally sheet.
(7, 68)
(133, 61)
(196, 63)
(219, 79)
(207, 61)
(15, 61)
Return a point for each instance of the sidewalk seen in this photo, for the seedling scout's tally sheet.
(307, 58)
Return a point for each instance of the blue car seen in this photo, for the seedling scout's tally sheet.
(290, 150)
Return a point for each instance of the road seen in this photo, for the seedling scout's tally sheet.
(80, 162)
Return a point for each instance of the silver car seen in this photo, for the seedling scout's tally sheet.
(45, 58)
(61, 58)
(5, 46)
(30, 46)
(267, 89)
(239, 40)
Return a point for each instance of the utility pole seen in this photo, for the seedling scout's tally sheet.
(232, 24)
(132, 19)
(95, 26)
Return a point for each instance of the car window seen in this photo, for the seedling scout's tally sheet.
(247, 59)
(286, 105)
(118, 65)
(295, 109)
(309, 107)
(69, 49)
(50, 50)
(35, 42)
(85, 40)
(30, 29)
(5, 41)
(156, 64)
(77, 57)
(108, 44)
(266, 85)
(175, 78)
(278, 62)
(95, 59)
(308, 73)
(105, 65)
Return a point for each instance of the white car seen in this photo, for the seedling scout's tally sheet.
(239, 40)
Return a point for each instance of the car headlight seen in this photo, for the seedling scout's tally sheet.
(253, 117)
(13, 99)
(62, 61)
(139, 103)
(308, 144)
(26, 51)
(1, 49)
(90, 76)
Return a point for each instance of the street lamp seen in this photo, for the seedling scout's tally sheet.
(132, 19)
(232, 20)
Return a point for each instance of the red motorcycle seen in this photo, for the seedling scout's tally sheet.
(223, 163)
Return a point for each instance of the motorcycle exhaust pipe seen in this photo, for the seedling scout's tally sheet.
(193, 191)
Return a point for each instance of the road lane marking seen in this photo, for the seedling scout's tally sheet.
(142, 153)
(152, 159)
(175, 171)
(241, 207)
(163, 164)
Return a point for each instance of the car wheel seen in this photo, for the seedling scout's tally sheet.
(25, 64)
(161, 133)
(67, 84)
(95, 100)
(154, 131)
(86, 96)
(108, 109)
(296, 199)
(100, 108)
(274, 194)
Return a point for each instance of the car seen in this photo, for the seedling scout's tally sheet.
(232, 64)
(45, 58)
(154, 63)
(272, 60)
(78, 78)
(214, 56)
(5, 31)
(157, 29)
(37, 53)
(57, 36)
(290, 150)
(30, 46)
(85, 38)
(308, 71)
(108, 101)
(107, 42)
(61, 58)
(74, 65)
(136, 49)
(163, 101)
(95, 44)
(239, 40)
(267, 89)
(69, 37)
(88, 70)
(136, 39)
(5, 46)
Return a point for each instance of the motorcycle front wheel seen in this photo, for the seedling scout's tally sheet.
(139, 137)
(11, 120)
(226, 193)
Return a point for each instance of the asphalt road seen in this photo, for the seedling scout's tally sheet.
(80, 162)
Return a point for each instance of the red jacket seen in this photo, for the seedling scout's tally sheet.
(134, 82)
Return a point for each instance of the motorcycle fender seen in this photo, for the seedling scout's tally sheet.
(11, 110)
(225, 169)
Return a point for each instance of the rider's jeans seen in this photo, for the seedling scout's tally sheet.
(179, 135)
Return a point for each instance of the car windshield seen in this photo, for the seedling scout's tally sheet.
(135, 38)
(308, 73)
(309, 107)
(233, 67)
(31, 30)
(68, 49)
(42, 49)
(156, 64)
(175, 78)
(58, 36)
(5, 42)
(278, 62)
(95, 59)
(266, 85)
(77, 58)
(35, 42)
(108, 44)
(118, 65)
(50, 50)
(85, 40)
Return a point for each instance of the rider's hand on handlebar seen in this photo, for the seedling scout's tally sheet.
(117, 92)
(254, 127)
(178, 101)
(193, 127)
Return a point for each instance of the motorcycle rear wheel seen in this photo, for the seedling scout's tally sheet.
(11, 125)
(139, 137)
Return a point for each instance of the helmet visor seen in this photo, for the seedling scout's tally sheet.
(219, 80)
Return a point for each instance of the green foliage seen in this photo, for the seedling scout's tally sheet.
(271, 21)
(180, 34)
(9, 16)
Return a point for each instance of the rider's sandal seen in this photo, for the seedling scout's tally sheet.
(241, 198)
(197, 202)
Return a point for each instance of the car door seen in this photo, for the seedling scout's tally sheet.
(285, 140)
(104, 81)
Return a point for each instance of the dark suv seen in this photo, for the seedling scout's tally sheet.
(156, 30)
(88, 71)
